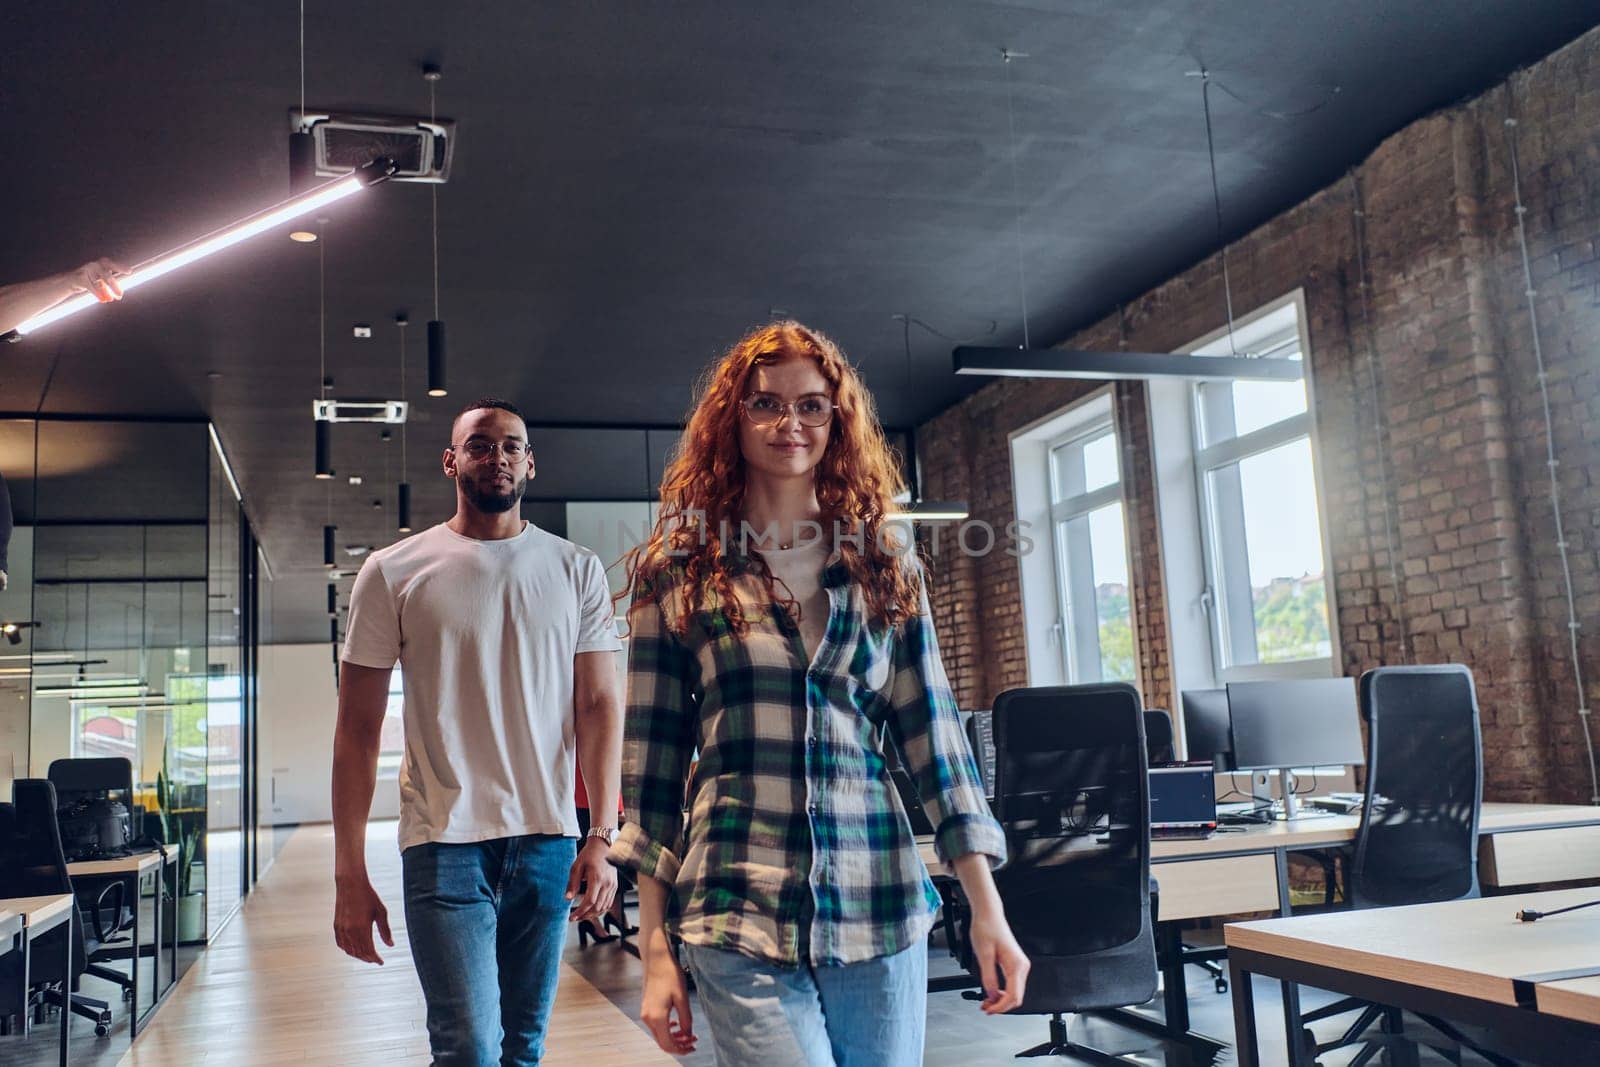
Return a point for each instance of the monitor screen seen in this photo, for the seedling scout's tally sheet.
(1183, 795)
(1304, 722)
(1206, 726)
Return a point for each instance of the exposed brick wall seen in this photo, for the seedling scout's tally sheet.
(1456, 432)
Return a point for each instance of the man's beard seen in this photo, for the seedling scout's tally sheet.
(494, 500)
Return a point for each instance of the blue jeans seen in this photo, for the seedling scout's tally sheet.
(487, 923)
(872, 1013)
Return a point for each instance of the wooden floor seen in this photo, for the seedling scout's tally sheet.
(274, 989)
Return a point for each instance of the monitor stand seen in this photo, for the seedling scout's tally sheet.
(1291, 803)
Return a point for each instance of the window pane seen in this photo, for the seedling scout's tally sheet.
(1268, 544)
(1100, 462)
(1084, 465)
(1113, 610)
(1233, 409)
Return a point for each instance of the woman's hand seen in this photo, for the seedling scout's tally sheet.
(998, 955)
(994, 946)
(664, 1007)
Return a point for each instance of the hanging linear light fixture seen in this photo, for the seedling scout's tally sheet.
(216, 241)
(329, 532)
(436, 351)
(1030, 362)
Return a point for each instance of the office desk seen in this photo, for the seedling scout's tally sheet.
(30, 918)
(131, 871)
(1237, 872)
(1573, 998)
(1466, 960)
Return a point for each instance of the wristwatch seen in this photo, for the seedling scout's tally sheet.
(604, 833)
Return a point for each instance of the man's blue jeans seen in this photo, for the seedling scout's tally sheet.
(487, 923)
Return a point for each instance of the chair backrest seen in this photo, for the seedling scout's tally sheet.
(1418, 839)
(108, 774)
(1072, 794)
(37, 866)
(32, 863)
(1158, 742)
(980, 735)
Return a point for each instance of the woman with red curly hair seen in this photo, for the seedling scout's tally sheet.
(780, 628)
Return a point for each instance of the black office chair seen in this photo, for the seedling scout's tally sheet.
(1158, 736)
(32, 864)
(1418, 838)
(1072, 794)
(106, 907)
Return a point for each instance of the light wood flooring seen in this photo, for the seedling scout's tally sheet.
(273, 988)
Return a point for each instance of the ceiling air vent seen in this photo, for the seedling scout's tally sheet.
(392, 411)
(421, 148)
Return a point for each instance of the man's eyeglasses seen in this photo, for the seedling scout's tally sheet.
(765, 409)
(480, 450)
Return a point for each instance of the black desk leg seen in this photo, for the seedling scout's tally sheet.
(26, 1016)
(160, 882)
(66, 990)
(1292, 1025)
(1244, 1015)
(1174, 987)
(133, 957)
(170, 870)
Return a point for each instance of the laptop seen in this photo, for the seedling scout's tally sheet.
(1183, 799)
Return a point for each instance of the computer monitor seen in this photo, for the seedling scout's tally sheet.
(1304, 722)
(1206, 726)
(980, 735)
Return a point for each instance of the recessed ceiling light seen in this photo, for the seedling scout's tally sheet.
(355, 479)
(361, 329)
(305, 237)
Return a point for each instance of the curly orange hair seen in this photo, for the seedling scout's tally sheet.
(703, 489)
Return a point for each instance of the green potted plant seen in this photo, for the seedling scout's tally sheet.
(191, 890)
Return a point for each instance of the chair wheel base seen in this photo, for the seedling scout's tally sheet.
(101, 1030)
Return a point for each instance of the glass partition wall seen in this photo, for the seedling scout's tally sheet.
(127, 633)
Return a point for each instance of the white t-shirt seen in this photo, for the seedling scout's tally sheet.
(800, 568)
(485, 633)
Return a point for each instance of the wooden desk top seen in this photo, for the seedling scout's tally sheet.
(1575, 998)
(39, 911)
(1318, 829)
(139, 862)
(1475, 948)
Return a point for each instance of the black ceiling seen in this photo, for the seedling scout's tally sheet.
(636, 184)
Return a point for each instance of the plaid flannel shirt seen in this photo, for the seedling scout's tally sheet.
(797, 848)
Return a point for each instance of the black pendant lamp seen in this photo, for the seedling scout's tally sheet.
(436, 358)
(324, 449)
(404, 525)
(327, 546)
(333, 601)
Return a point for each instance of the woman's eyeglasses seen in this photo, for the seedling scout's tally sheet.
(764, 409)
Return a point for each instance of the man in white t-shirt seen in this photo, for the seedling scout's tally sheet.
(505, 639)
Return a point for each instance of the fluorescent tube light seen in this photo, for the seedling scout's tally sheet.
(217, 240)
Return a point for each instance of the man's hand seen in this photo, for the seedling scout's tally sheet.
(357, 907)
(998, 954)
(664, 1004)
(594, 877)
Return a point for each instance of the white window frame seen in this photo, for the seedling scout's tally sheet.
(1039, 574)
(1274, 324)
(1078, 636)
